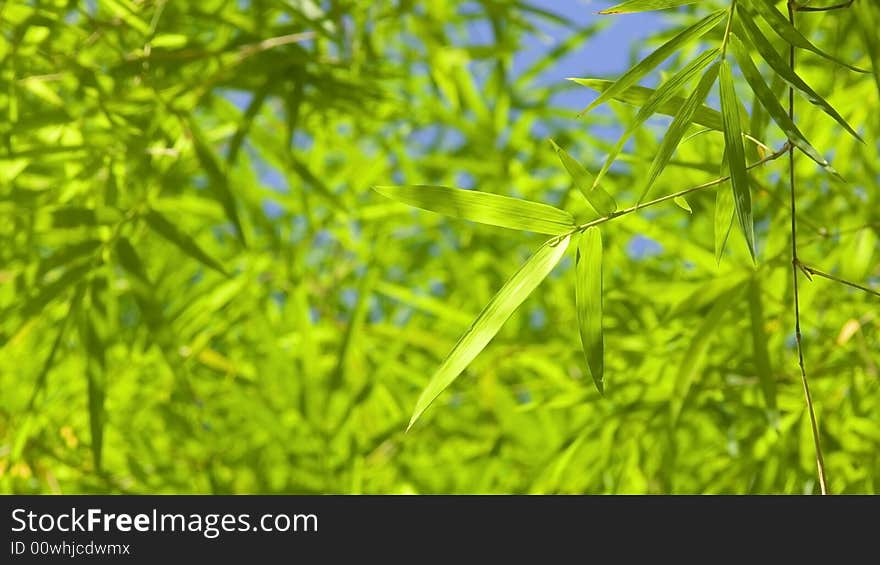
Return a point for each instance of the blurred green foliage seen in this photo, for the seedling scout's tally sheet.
(199, 292)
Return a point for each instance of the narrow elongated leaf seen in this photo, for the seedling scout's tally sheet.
(784, 29)
(774, 108)
(646, 6)
(682, 203)
(219, 183)
(736, 156)
(695, 355)
(649, 63)
(588, 295)
(679, 126)
(639, 96)
(483, 207)
(659, 97)
(759, 344)
(95, 374)
(602, 202)
(723, 211)
(162, 226)
(780, 66)
(490, 320)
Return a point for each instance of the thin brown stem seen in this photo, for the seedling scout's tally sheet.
(582, 227)
(829, 276)
(795, 265)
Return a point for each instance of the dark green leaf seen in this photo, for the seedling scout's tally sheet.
(588, 295)
(162, 226)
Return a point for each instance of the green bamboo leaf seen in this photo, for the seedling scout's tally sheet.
(736, 156)
(632, 6)
(96, 382)
(68, 254)
(588, 296)
(661, 96)
(774, 108)
(602, 202)
(162, 226)
(483, 207)
(784, 29)
(695, 355)
(45, 294)
(682, 203)
(759, 344)
(780, 66)
(633, 75)
(640, 95)
(218, 181)
(79, 216)
(130, 260)
(679, 126)
(724, 211)
(490, 320)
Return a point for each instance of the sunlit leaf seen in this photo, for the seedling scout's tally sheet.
(736, 157)
(778, 64)
(774, 108)
(602, 202)
(490, 320)
(589, 304)
(646, 5)
(679, 126)
(483, 207)
(649, 63)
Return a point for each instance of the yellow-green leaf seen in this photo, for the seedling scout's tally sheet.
(774, 108)
(659, 97)
(164, 227)
(588, 295)
(602, 202)
(679, 126)
(640, 95)
(736, 156)
(781, 67)
(490, 320)
(649, 63)
(759, 344)
(784, 29)
(645, 6)
(483, 207)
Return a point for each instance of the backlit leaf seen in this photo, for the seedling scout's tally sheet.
(490, 320)
(589, 304)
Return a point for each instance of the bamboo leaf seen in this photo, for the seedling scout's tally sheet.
(602, 202)
(679, 126)
(645, 6)
(736, 156)
(483, 207)
(780, 66)
(682, 203)
(784, 29)
(588, 295)
(759, 345)
(649, 63)
(724, 211)
(94, 348)
(640, 95)
(490, 320)
(695, 355)
(774, 108)
(661, 96)
(162, 226)
(219, 183)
